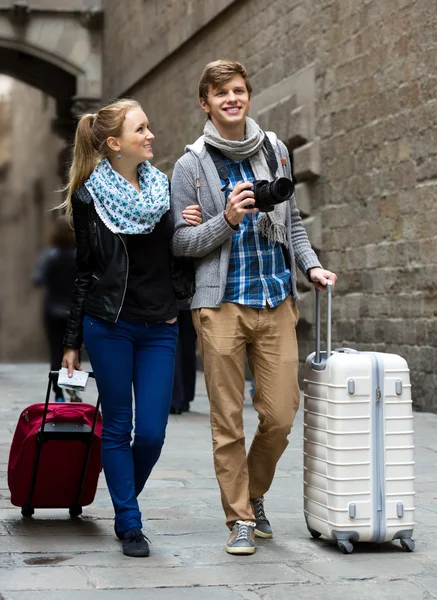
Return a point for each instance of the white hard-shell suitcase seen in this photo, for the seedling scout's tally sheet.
(358, 445)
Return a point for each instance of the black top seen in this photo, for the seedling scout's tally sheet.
(149, 293)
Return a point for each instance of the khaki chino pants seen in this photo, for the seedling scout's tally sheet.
(268, 336)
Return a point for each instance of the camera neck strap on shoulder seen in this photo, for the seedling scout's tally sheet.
(271, 156)
(218, 159)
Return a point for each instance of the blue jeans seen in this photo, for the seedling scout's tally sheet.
(123, 354)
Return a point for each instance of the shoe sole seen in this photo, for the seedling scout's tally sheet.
(138, 555)
(240, 550)
(261, 534)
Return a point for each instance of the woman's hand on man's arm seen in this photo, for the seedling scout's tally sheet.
(192, 215)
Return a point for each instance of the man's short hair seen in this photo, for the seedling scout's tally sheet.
(219, 72)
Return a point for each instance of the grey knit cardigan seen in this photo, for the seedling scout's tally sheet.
(196, 181)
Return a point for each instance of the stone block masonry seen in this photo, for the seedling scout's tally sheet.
(364, 141)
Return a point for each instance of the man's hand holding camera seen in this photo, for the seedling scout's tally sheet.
(259, 196)
(240, 203)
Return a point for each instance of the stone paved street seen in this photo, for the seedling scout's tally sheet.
(52, 557)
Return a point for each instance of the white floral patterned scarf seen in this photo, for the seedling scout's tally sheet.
(120, 206)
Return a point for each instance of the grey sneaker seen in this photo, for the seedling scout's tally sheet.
(242, 540)
(263, 528)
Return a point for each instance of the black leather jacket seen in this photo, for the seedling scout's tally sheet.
(102, 269)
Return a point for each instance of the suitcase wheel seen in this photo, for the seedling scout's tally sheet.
(346, 547)
(314, 533)
(75, 511)
(408, 544)
(27, 511)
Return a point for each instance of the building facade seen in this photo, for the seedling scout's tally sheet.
(52, 51)
(29, 184)
(351, 88)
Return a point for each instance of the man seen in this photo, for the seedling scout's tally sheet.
(245, 299)
(184, 385)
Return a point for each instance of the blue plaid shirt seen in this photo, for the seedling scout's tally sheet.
(258, 275)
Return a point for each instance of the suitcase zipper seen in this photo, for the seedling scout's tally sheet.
(380, 454)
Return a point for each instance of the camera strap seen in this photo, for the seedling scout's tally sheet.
(218, 159)
(219, 162)
(271, 156)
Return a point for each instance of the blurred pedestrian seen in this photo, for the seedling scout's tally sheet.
(185, 369)
(245, 300)
(56, 271)
(124, 304)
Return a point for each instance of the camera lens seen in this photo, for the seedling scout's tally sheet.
(269, 193)
(282, 188)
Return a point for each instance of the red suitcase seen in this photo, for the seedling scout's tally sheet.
(55, 457)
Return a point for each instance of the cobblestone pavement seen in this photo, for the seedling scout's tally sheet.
(53, 557)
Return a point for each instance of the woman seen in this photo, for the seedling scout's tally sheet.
(124, 304)
(56, 272)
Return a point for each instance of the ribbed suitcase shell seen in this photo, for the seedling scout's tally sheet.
(359, 449)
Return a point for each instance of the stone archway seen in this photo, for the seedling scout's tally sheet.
(55, 45)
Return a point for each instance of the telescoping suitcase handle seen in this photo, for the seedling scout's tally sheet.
(318, 356)
(52, 378)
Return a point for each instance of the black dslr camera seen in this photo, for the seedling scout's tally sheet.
(269, 193)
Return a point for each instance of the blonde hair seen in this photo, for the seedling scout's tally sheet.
(90, 145)
(219, 72)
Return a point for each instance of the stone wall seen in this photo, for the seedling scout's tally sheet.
(351, 87)
(28, 190)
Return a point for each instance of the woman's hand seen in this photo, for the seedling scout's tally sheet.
(71, 361)
(192, 214)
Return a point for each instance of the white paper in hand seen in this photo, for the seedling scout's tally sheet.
(77, 382)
